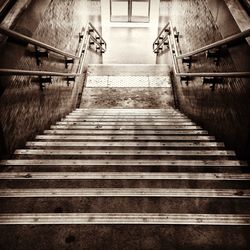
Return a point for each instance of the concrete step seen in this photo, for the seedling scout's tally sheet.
(31, 179)
(124, 154)
(127, 138)
(122, 236)
(67, 165)
(123, 176)
(128, 111)
(125, 218)
(126, 132)
(129, 117)
(124, 119)
(62, 144)
(175, 163)
(126, 127)
(26, 202)
(134, 123)
(126, 192)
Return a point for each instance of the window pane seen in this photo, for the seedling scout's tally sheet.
(119, 11)
(140, 11)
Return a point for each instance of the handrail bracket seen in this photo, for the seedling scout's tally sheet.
(40, 54)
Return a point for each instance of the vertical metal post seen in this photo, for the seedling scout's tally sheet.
(129, 10)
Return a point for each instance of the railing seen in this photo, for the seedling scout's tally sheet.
(160, 40)
(225, 41)
(69, 57)
(4, 7)
(211, 78)
(97, 37)
(85, 38)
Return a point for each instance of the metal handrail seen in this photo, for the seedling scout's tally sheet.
(27, 39)
(82, 51)
(160, 44)
(82, 59)
(97, 43)
(200, 74)
(51, 73)
(19, 36)
(161, 32)
(92, 26)
(219, 43)
(35, 73)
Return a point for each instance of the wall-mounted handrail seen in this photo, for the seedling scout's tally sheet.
(217, 44)
(27, 39)
(85, 42)
(200, 74)
(21, 37)
(18, 72)
(45, 76)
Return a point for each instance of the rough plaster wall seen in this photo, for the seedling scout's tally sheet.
(226, 111)
(24, 110)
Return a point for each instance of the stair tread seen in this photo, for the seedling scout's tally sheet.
(125, 218)
(128, 127)
(66, 144)
(134, 123)
(127, 137)
(125, 192)
(124, 119)
(144, 162)
(127, 152)
(127, 132)
(123, 176)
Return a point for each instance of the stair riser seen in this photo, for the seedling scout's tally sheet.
(29, 183)
(109, 168)
(123, 205)
(134, 237)
(122, 157)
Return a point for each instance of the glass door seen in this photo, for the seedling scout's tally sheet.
(129, 11)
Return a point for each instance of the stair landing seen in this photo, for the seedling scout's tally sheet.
(127, 86)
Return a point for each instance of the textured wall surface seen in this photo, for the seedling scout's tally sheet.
(25, 110)
(225, 112)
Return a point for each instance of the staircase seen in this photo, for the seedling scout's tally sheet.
(159, 177)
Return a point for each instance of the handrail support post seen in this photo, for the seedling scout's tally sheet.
(68, 61)
(215, 54)
(43, 80)
(70, 79)
(40, 54)
(185, 79)
(212, 81)
(188, 61)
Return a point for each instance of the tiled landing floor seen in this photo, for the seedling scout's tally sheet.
(128, 81)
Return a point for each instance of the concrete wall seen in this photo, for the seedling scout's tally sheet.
(226, 111)
(25, 110)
